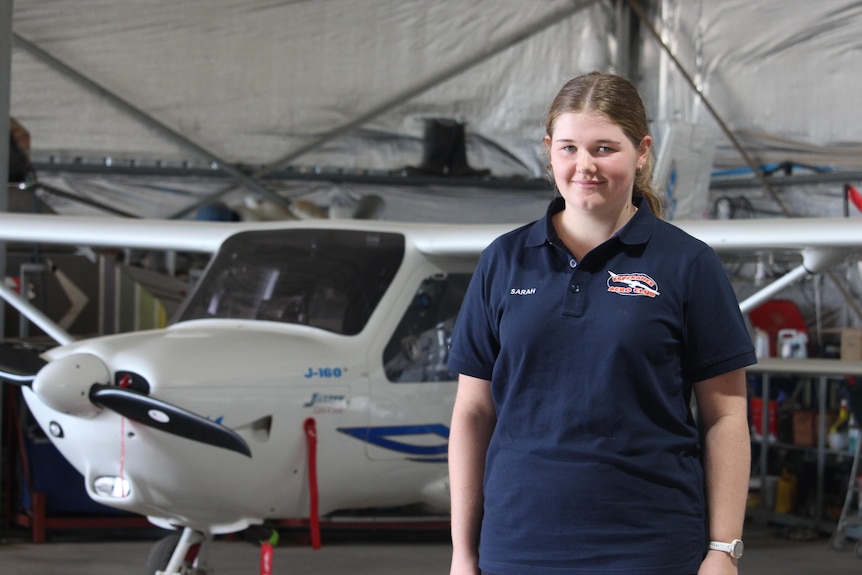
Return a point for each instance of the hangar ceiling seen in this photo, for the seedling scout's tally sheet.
(155, 107)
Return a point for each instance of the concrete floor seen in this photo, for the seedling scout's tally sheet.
(766, 554)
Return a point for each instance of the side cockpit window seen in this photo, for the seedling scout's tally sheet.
(418, 350)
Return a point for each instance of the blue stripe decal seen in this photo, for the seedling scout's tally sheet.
(380, 436)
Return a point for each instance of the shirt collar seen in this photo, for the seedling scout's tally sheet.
(637, 231)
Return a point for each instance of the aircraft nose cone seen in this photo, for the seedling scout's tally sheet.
(64, 384)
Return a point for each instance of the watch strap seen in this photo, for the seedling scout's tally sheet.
(734, 548)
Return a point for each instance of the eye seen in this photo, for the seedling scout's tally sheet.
(605, 149)
(568, 148)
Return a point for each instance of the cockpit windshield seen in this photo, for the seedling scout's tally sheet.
(330, 279)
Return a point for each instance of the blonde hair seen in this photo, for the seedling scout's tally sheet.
(615, 98)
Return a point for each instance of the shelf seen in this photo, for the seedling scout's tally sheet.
(805, 367)
(792, 446)
(822, 373)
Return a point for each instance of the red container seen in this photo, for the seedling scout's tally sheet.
(756, 418)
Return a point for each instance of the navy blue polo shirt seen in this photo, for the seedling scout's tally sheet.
(594, 465)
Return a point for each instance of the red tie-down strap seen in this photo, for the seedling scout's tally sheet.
(267, 547)
(854, 196)
(314, 519)
(266, 558)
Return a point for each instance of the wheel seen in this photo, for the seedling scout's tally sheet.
(838, 542)
(858, 549)
(160, 554)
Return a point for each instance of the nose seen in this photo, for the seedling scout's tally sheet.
(586, 165)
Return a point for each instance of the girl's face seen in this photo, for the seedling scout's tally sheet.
(594, 162)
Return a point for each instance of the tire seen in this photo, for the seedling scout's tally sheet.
(160, 554)
(838, 542)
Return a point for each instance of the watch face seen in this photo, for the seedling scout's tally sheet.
(737, 547)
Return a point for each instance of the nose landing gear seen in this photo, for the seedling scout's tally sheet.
(180, 553)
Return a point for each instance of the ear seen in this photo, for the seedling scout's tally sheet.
(547, 142)
(643, 150)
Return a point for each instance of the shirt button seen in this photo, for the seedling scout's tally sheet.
(573, 263)
(576, 288)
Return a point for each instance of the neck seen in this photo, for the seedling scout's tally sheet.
(582, 231)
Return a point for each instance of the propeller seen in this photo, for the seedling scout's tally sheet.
(159, 414)
(19, 364)
(80, 385)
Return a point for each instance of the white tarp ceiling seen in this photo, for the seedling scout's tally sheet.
(253, 82)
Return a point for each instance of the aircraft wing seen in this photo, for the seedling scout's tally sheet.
(454, 240)
(821, 242)
(198, 236)
(777, 233)
(724, 236)
(458, 241)
(101, 231)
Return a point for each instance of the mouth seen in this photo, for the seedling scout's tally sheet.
(587, 183)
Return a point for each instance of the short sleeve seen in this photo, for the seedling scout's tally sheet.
(717, 339)
(475, 341)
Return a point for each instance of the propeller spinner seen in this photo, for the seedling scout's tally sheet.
(64, 384)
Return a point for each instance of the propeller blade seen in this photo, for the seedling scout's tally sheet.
(166, 417)
(19, 364)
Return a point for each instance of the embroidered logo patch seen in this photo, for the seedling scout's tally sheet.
(632, 284)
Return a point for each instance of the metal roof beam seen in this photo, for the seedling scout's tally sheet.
(145, 118)
(421, 87)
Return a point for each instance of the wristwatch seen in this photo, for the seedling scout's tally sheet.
(734, 548)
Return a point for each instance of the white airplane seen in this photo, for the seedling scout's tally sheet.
(305, 374)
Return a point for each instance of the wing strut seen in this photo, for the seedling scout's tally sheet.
(767, 292)
(814, 261)
(33, 313)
